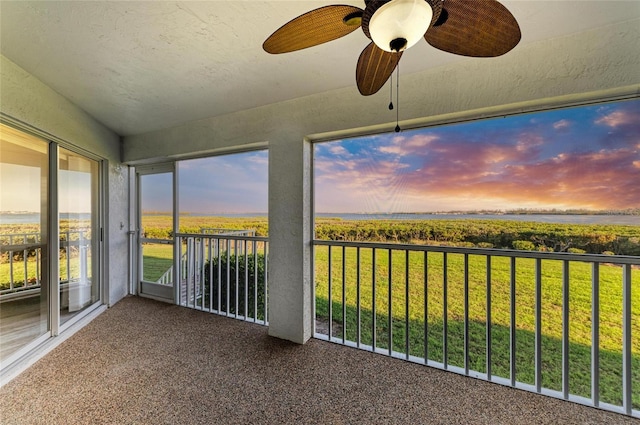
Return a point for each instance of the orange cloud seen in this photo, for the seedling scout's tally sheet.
(599, 180)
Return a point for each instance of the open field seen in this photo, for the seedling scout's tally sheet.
(159, 226)
(528, 235)
(591, 238)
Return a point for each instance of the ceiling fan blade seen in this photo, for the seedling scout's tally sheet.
(479, 28)
(315, 27)
(374, 68)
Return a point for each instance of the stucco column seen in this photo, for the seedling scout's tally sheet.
(290, 312)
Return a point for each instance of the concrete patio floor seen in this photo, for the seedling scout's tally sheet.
(146, 362)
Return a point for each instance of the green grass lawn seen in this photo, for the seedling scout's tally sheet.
(33, 271)
(156, 260)
(414, 318)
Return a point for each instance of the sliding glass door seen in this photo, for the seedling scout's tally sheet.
(50, 235)
(24, 218)
(79, 233)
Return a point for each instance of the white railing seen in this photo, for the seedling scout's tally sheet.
(25, 244)
(224, 274)
(167, 277)
(24, 275)
(227, 232)
(516, 318)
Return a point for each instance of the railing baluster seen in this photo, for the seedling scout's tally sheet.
(179, 281)
(466, 314)
(68, 258)
(210, 258)
(344, 294)
(25, 256)
(228, 283)
(201, 277)
(565, 329)
(246, 280)
(488, 329)
(373, 300)
(390, 306)
(11, 284)
(426, 308)
(38, 259)
(235, 252)
(191, 274)
(512, 327)
(329, 284)
(538, 325)
(266, 282)
(445, 314)
(219, 252)
(406, 303)
(595, 334)
(193, 269)
(255, 282)
(187, 271)
(627, 401)
(358, 311)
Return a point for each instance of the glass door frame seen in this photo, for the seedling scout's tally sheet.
(100, 206)
(144, 288)
(50, 247)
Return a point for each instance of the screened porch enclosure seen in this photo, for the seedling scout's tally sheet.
(121, 300)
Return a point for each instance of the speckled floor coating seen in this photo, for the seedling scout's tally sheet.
(145, 362)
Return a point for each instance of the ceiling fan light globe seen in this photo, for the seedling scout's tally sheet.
(400, 19)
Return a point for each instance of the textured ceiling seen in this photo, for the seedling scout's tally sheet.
(144, 66)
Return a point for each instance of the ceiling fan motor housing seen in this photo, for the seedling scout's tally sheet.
(372, 7)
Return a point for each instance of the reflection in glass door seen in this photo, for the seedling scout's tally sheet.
(79, 233)
(156, 235)
(24, 217)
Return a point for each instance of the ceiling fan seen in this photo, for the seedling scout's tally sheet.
(477, 28)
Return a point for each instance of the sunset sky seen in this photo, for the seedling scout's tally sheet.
(586, 157)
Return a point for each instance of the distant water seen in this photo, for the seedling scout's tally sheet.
(632, 220)
(27, 218)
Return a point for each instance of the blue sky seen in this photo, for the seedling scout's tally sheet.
(228, 184)
(584, 157)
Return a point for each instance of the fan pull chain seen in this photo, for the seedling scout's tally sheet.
(391, 93)
(397, 97)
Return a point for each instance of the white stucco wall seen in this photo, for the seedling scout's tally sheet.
(27, 100)
(594, 61)
(586, 66)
